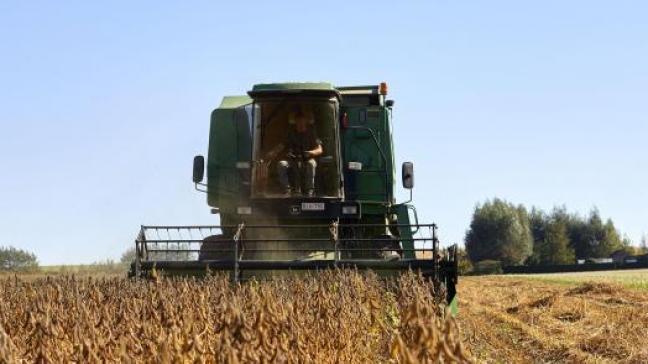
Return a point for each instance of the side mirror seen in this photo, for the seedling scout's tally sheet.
(408, 175)
(198, 168)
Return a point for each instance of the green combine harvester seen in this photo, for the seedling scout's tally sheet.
(302, 176)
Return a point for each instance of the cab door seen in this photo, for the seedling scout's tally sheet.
(230, 151)
(367, 164)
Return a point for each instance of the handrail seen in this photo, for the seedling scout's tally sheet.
(173, 241)
(283, 226)
(174, 245)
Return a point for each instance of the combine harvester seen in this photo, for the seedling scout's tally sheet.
(302, 176)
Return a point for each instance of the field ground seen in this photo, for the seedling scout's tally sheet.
(595, 317)
(631, 278)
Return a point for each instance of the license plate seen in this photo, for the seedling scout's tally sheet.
(312, 206)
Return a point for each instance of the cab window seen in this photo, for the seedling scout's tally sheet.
(285, 130)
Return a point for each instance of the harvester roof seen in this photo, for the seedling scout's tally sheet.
(321, 88)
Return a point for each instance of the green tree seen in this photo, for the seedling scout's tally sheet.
(579, 236)
(604, 237)
(13, 259)
(591, 237)
(499, 231)
(628, 247)
(556, 244)
(551, 243)
(537, 219)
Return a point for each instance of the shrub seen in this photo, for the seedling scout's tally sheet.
(488, 267)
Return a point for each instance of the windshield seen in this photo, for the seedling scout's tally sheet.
(295, 148)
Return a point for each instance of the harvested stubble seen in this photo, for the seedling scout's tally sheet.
(522, 320)
(330, 317)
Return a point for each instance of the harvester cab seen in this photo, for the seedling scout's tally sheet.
(302, 176)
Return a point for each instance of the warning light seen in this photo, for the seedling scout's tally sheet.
(345, 120)
(383, 88)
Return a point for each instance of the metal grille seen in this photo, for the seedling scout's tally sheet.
(237, 247)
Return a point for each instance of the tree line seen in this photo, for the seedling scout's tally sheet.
(14, 259)
(512, 235)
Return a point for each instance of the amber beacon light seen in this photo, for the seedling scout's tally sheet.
(383, 88)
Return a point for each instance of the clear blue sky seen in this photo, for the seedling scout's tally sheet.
(103, 106)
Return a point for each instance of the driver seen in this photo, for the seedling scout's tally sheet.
(303, 146)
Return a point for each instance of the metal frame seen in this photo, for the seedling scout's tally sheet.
(183, 249)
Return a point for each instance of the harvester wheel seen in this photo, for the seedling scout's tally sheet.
(216, 247)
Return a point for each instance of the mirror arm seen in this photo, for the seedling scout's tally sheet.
(408, 201)
(202, 185)
(405, 202)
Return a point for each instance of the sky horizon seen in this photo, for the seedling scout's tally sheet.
(104, 106)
